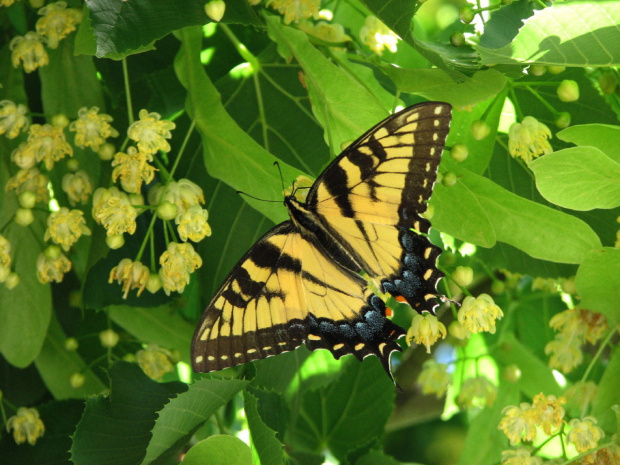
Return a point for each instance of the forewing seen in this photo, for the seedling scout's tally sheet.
(371, 197)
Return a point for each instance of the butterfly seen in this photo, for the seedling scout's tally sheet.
(307, 279)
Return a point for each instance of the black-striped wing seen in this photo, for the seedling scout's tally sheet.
(293, 287)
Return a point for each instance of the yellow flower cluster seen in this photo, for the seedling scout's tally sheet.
(26, 425)
(434, 378)
(13, 118)
(155, 361)
(529, 139)
(479, 314)
(56, 23)
(295, 10)
(477, 392)
(46, 144)
(92, 128)
(425, 329)
(520, 422)
(377, 36)
(575, 326)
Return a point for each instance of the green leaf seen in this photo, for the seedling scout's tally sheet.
(117, 429)
(219, 450)
(278, 373)
(182, 416)
(604, 137)
(69, 82)
(26, 310)
(247, 165)
(395, 14)
(523, 223)
(347, 415)
(342, 104)
(536, 376)
(158, 325)
(436, 84)
(598, 283)
(573, 34)
(608, 395)
(123, 28)
(56, 365)
(455, 207)
(579, 178)
(59, 418)
(12, 79)
(268, 448)
(484, 441)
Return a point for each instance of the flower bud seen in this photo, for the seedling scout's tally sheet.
(24, 216)
(77, 380)
(537, 70)
(73, 164)
(27, 199)
(167, 210)
(106, 151)
(511, 373)
(563, 120)
(60, 120)
(568, 91)
(459, 152)
(153, 284)
(116, 241)
(457, 39)
(109, 338)
(553, 69)
(480, 129)
(71, 344)
(463, 275)
(52, 252)
(608, 83)
(466, 13)
(12, 280)
(458, 331)
(215, 10)
(449, 179)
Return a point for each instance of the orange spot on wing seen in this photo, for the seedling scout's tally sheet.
(401, 299)
(389, 312)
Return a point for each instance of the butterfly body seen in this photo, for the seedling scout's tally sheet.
(302, 282)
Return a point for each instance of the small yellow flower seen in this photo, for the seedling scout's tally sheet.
(13, 118)
(565, 351)
(176, 265)
(30, 180)
(294, 10)
(325, 31)
(545, 284)
(478, 392)
(48, 144)
(6, 2)
(377, 36)
(150, 133)
(568, 322)
(519, 422)
(112, 209)
(30, 50)
(528, 139)
(581, 395)
(434, 378)
(26, 425)
(584, 434)
(25, 159)
(131, 275)
(520, 456)
(77, 186)
(5, 258)
(52, 265)
(133, 169)
(192, 224)
(215, 9)
(65, 227)
(549, 412)
(425, 329)
(606, 456)
(92, 128)
(57, 22)
(155, 361)
(479, 314)
(184, 194)
(595, 325)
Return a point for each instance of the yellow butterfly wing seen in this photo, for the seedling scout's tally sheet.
(301, 282)
(286, 291)
(371, 199)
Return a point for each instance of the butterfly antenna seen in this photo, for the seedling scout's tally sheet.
(277, 163)
(256, 198)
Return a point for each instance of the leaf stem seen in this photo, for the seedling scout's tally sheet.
(127, 92)
(598, 354)
(241, 48)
